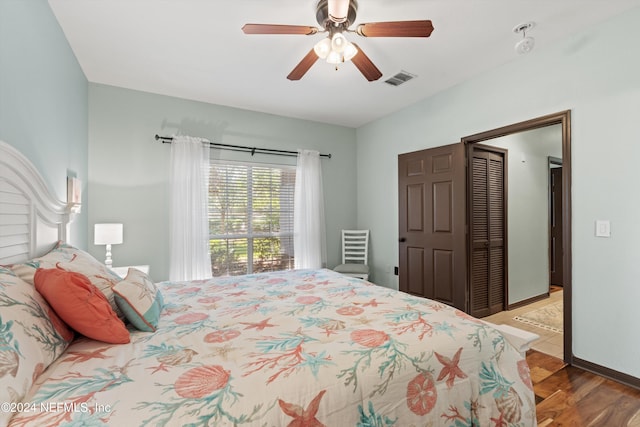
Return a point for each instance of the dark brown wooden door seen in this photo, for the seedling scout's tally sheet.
(487, 230)
(555, 243)
(432, 188)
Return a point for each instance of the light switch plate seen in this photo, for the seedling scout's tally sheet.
(603, 228)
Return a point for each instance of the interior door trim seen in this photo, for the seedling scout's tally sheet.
(562, 118)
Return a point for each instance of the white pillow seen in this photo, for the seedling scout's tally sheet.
(32, 336)
(73, 259)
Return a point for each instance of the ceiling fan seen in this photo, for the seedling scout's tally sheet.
(335, 17)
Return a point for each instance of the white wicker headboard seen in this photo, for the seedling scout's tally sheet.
(32, 220)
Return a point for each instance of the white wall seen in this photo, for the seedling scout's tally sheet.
(595, 75)
(129, 170)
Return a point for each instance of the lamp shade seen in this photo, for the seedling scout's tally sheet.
(350, 51)
(323, 48)
(334, 57)
(338, 42)
(107, 234)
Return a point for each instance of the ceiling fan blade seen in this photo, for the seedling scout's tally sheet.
(396, 29)
(303, 66)
(278, 29)
(364, 64)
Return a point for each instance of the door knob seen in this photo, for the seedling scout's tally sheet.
(402, 239)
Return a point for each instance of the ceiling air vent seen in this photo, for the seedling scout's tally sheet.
(400, 78)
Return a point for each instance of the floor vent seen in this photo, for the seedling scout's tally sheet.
(400, 78)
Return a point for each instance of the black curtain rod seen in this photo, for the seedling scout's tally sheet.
(242, 148)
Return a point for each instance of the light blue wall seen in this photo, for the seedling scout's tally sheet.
(528, 208)
(594, 74)
(129, 170)
(43, 98)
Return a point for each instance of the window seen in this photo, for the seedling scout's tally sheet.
(250, 217)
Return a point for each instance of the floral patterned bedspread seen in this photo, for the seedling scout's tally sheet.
(298, 348)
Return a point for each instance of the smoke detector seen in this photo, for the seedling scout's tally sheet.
(526, 44)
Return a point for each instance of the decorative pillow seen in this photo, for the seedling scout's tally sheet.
(31, 338)
(81, 305)
(140, 300)
(72, 259)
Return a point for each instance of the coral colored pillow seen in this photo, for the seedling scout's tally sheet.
(80, 304)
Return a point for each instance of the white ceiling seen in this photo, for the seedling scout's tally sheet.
(195, 49)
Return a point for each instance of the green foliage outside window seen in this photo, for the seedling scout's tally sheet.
(250, 218)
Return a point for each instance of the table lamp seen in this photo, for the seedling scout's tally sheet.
(107, 234)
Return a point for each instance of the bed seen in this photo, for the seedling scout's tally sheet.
(293, 348)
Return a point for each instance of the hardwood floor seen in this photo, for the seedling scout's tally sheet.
(569, 396)
(566, 395)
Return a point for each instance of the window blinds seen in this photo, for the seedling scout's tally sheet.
(250, 217)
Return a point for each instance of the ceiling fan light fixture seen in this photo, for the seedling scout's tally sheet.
(338, 42)
(350, 51)
(323, 48)
(335, 17)
(334, 57)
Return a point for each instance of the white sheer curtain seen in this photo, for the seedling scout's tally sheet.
(189, 233)
(308, 212)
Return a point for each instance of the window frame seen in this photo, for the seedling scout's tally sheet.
(250, 236)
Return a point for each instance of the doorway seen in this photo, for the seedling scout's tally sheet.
(564, 120)
(430, 181)
(555, 223)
